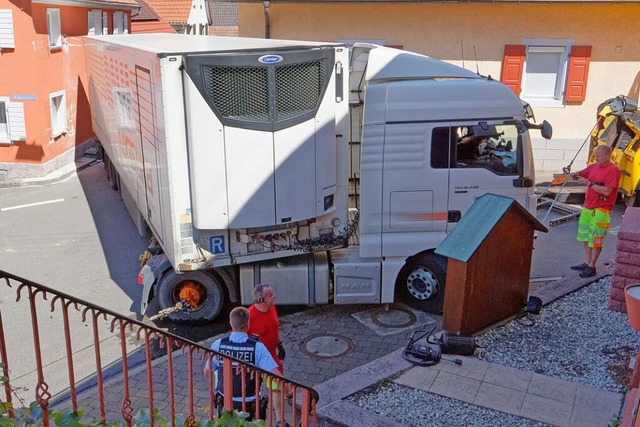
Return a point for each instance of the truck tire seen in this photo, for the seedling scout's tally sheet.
(201, 289)
(421, 282)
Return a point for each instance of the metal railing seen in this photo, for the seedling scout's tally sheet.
(172, 383)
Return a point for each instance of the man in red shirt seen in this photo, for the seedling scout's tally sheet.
(601, 179)
(265, 326)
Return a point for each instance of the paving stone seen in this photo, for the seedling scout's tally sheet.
(454, 386)
(389, 364)
(552, 388)
(470, 368)
(418, 377)
(546, 410)
(499, 398)
(593, 407)
(506, 376)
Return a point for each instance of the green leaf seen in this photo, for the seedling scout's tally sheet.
(142, 418)
(158, 419)
(35, 410)
(67, 418)
(229, 419)
(7, 422)
(5, 406)
(181, 419)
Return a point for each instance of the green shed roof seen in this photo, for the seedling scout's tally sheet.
(477, 223)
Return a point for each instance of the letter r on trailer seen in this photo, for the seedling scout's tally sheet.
(217, 244)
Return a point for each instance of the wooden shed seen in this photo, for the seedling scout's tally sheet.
(489, 264)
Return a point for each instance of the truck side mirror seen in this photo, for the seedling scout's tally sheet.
(546, 130)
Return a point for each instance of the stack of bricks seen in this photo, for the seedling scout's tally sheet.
(626, 270)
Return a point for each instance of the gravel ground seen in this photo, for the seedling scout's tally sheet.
(575, 338)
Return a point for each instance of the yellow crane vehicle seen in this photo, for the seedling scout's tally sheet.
(618, 126)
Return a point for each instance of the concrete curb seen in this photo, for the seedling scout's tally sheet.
(54, 177)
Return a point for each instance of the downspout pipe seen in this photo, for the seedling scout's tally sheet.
(267, 24)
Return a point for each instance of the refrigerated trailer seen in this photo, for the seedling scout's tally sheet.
(259, 161)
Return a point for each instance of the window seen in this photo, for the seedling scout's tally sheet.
(6, 29)
(12, 127)
(120, 23)
(98, 23)
(53, 29)
(4, 123)
(547, 73)
(58, 104)
(492, 147)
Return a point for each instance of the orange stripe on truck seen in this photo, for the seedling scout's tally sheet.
(421, 216)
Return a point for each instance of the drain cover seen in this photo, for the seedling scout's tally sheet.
(326, 346)
(393, 317)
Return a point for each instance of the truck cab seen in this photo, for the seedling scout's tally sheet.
(434, 138)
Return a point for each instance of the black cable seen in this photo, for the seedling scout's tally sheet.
(530, 321)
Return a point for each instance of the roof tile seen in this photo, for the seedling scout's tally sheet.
(117, 2)
(172, 11)
(146, 13)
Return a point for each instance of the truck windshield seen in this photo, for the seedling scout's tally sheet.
(492, 147)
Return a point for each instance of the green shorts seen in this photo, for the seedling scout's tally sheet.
(593, 226)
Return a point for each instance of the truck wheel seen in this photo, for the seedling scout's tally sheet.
(202, 291)
(420, 283)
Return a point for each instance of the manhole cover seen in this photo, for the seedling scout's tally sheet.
(393, 317)
(326, 346)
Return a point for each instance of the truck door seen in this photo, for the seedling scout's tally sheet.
(414, 193)
(483, 160)
(145, 116)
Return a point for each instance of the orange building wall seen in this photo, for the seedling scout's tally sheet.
(31, 69)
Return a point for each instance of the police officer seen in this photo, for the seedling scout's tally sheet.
(239, 345)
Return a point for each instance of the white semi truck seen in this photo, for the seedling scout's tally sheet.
(251, 160)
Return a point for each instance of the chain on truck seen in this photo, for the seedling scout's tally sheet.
(251, 160)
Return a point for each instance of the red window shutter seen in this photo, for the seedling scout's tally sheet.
(512, 66)
(579, 60)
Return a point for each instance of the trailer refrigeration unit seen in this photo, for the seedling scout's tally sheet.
(243, 157)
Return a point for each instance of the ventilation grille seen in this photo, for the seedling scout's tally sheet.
(239, 92)
(298, 89)
(243, 93)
